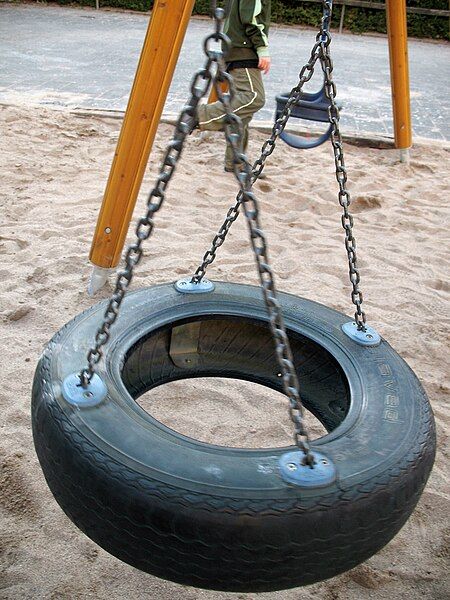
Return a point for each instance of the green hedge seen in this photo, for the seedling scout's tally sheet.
(297, 12)
(360, 20)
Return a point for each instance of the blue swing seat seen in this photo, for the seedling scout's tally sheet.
(310, 107)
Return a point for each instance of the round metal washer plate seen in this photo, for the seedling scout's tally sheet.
(293, 470)
(77, 395)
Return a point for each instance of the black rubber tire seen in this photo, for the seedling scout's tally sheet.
(222, 518)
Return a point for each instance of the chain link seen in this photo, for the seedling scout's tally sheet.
(321, 52)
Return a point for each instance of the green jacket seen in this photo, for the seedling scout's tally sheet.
(247, 26)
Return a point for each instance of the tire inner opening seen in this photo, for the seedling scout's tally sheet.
(211, 365)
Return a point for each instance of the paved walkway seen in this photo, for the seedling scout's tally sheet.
(70, 57)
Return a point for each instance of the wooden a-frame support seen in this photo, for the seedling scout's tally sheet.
(157, 63)
(165, 34)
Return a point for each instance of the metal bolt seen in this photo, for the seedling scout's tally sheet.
(107, 229)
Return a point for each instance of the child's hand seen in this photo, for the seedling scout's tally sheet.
(264, 64)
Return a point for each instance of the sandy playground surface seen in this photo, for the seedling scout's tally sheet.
(53, 171)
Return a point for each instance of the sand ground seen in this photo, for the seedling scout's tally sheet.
(54, 167)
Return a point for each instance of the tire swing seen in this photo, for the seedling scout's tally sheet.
(211, 516)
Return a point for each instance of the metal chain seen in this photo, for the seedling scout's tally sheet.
(268, 147)
(244, 175)
(199, 87)
(341, 176)
(320, 51)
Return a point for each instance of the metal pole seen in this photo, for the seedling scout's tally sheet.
(159, 56)
(398, 56)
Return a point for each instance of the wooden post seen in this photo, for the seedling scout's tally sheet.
(398, 55)
(213, 95)
(341, 22)
(159, 56)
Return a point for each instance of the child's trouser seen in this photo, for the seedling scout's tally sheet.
(249, 98)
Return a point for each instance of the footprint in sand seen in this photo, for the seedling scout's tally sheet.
(439, 285)
(291, 181)
(369, 578)
(9, 551)
(358, 173)
(363, 203)
(422, 166)
(16, 417)
(38, 274)
(264, 186)
(16, 496)
(46, 235)
(443, 550)
(18, 313)
(204, 192)
(82, 131)
(12, 245)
